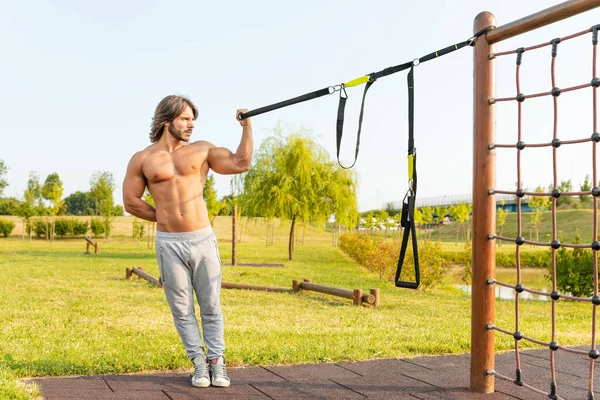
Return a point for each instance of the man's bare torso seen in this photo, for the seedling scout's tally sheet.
(176, 182)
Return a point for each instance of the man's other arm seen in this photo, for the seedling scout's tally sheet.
(134, 185)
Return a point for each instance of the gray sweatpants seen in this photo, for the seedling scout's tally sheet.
(188, 262)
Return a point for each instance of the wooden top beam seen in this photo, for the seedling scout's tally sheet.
(542, 18)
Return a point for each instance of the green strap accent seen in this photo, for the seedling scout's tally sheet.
(357, 81)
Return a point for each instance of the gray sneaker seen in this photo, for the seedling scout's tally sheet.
(201, 378)
(218, 374)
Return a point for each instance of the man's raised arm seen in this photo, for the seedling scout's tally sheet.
(223, 161)
(134, 185)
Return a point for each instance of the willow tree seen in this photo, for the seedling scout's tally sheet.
(293, 178)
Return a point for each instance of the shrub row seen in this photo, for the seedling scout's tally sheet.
(6, 227)
(68, 227)
(381, 256)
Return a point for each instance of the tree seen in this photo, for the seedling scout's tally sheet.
(293, 178)
(501, 214)
(52, 190)
(8, 206)
(538, 204)
(79, 203)
(565, 186)
(391, 210)
(32, 199)
(460, 213)
(427, 212)
(101, 191)
(148, 198)
(210, 198)
(3, 181)
(586, 186)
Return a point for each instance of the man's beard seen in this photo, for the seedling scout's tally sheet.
(177, 134)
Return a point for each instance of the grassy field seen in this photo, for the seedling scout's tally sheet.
(65, 313)
(568, 222)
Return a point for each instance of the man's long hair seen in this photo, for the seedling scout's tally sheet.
(167, 110)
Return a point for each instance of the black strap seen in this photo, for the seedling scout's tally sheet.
(285, 103)
(340, 122)
(407, 220)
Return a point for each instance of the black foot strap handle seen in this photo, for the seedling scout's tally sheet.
(408, 205)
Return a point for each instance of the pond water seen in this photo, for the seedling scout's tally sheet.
(532, 278)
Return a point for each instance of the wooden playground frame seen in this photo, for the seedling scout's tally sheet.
(484, 176)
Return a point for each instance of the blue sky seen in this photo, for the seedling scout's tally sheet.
(80, 82)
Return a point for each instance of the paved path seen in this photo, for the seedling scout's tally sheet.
(425, 378)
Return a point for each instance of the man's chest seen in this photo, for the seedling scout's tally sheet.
(164, 166)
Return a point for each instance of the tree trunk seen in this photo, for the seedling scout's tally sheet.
(291, 242)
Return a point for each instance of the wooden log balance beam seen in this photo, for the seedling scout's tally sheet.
(140, 272)
(232, 285)
(89, 242)
(357, 295)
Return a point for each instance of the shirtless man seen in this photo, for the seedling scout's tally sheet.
(174, 171)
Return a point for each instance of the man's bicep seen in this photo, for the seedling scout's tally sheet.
(221, 160)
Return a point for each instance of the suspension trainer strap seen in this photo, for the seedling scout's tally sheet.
(340, 120)
(369, 80)
(285, 103)
(364, 79)
(407, 220)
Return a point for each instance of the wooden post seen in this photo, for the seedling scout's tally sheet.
(233, 236)
(484, 221)
(128, 273)
(357, 297)
(375, 293)
(296, 286)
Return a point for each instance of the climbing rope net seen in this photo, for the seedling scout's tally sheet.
(593, 243)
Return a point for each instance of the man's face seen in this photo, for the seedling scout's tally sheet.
(181, 127)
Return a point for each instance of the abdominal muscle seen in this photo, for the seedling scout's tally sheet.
(180, 206)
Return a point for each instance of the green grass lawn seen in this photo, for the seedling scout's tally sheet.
(65, 313)
(568, 223)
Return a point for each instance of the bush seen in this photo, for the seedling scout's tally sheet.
(39, 228)
(63, 227)
(6, 227)
(574, 270)
(97, 226)
(381, 256)
(70, 226)
(80, 227)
